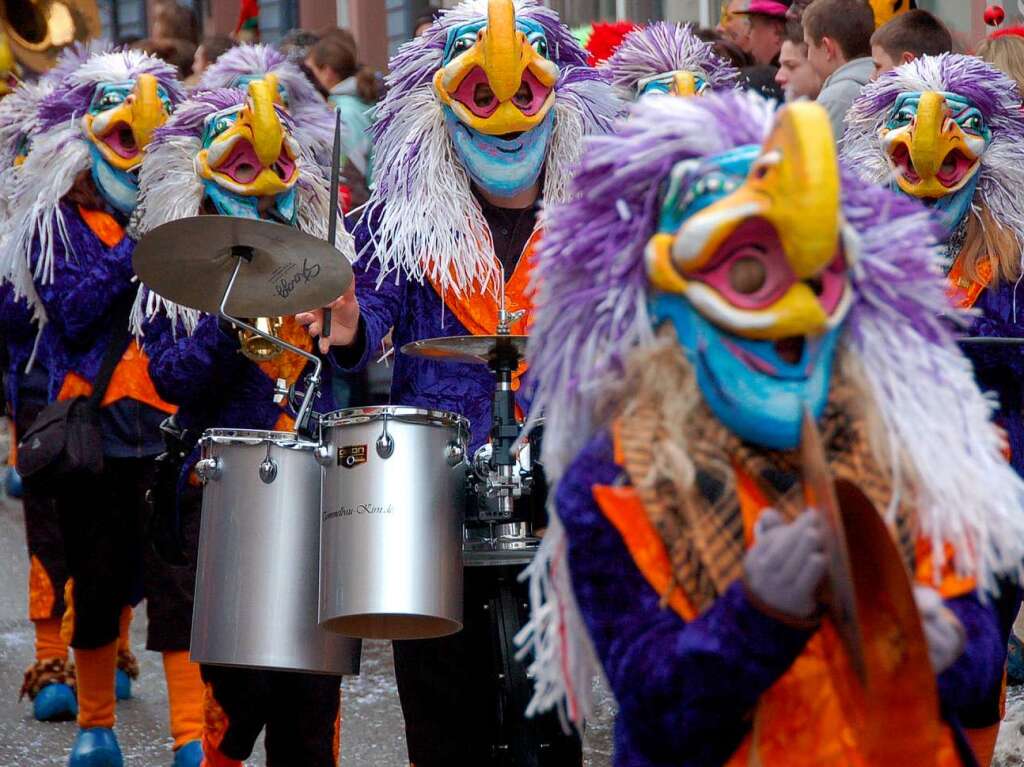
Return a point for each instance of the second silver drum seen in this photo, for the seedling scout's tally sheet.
(391, 529)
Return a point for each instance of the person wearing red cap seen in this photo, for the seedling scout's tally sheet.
(756, 26)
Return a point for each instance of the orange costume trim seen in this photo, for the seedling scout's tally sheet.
(215, 725)
(478, 310)
(41, 596)
(131, 376)
(962, 291)
(800, 721)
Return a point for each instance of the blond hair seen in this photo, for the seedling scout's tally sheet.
(1005, 53)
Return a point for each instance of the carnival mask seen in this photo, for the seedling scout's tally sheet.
(678, 83)
(119, 123)
(249, 162)
(277, 89)
(749, 266)
(934, 142)
(886, 10)
(497, 91)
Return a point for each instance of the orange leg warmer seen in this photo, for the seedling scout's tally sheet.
(185, 691)
(49, 643)
(95, 670)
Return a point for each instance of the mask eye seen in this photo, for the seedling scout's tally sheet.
(541, 46)
(901, 118)
(109, 100)
(747, 275)
(221, 125)
(461, 45)
(973, 124)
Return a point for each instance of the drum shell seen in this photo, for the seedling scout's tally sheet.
(391, 536)
(257, 577)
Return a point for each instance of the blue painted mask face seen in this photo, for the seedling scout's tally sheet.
(502, 167)
(496, 88)
(280, 92)
(247, 162)
(935, 141)
(678, 83)
(749, 267)
(119, 124)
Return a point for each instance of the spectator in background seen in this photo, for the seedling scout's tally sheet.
(423, 22)
(174, 22)
(838, 37)
(735, 24)
(907, 36)
(209, 50)
(796, 76)
(1005, 51)
(724, 47)
(178, 53)
(353, 90)
(297, 43)
(760, 78)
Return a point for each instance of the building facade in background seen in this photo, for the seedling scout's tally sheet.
(381, 26)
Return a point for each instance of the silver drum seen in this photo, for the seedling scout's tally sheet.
(391, 530)
(256, 585)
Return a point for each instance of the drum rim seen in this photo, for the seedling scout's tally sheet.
(287, 439)
(359, 415)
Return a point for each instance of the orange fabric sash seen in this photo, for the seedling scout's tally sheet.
(962, 291)
(130, 379)
(478, 311)
(800, 721)
(103, 225)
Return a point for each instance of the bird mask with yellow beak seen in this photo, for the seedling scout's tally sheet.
(497, 89)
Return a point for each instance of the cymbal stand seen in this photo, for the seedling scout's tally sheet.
(244, 255)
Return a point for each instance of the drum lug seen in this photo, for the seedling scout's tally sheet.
(268, 470)
(385, 442)
(324, 455)
(208, 469)
(454, 453)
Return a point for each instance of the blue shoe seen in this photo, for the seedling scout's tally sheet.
(189, 755)
(55, 703)
(123, 685)
(12, 483)
(1015, 661)
(96, 747)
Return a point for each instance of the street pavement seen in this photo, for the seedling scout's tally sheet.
(372, 733)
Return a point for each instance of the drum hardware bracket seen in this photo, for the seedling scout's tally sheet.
(209, 469)
(324, 454)
(245, 254)
(454, 453)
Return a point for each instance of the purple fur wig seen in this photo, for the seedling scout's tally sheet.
(591, 312)
(662, 47)
(1001, 176)
(417, 168)
(315, 118)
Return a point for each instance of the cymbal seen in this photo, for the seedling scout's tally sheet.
(820, 493)
(468, 350)
(189, 261)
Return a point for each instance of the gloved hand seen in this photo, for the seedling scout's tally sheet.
(942, 630)
(785, 565)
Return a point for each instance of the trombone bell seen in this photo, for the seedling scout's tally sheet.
(257, 348)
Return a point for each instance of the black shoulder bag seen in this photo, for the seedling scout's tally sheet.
(66, 439)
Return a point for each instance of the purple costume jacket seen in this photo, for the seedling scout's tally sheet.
(1000, 369)
(213, 385)
(19, 333)
(416, 312)
(87, 284)
(686, 691)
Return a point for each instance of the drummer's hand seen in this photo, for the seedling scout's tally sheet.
(943, 631)
(344, 321)
(784, 567)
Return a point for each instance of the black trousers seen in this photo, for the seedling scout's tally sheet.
(464, 696)
(104, 524)
(299, 712)
(42, 533)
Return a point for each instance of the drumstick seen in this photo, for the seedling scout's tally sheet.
(332, 220)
